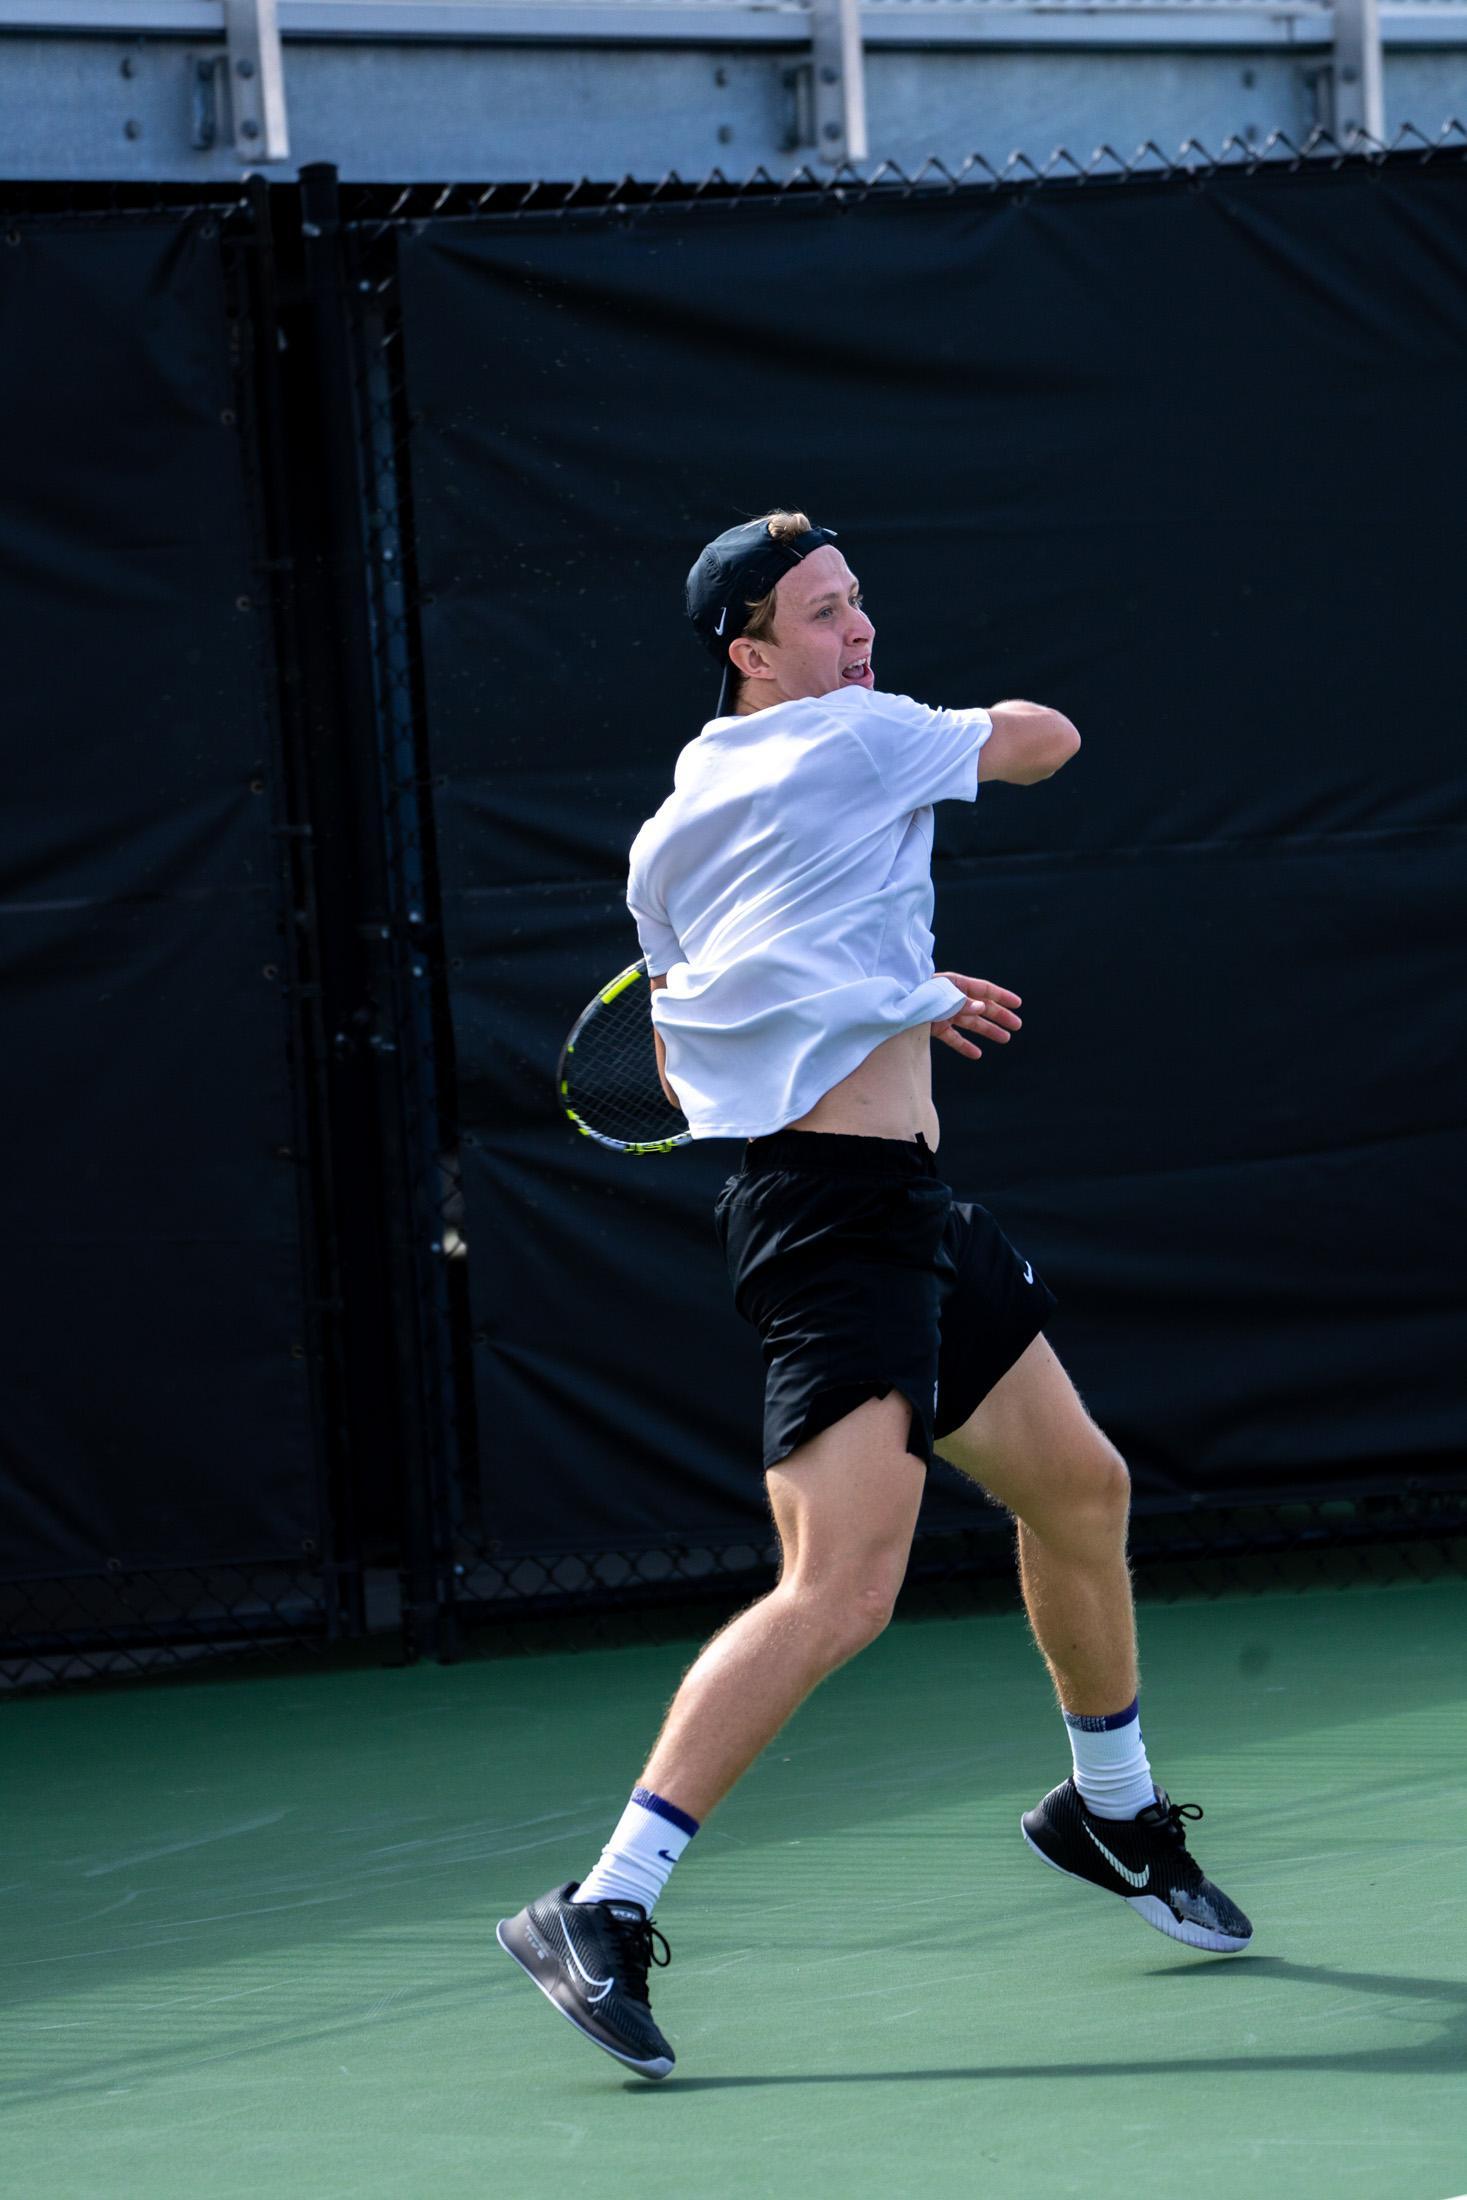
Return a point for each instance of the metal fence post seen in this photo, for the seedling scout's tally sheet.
(384, 1035)
(256, 80)
(840, 80)
(1357, 77)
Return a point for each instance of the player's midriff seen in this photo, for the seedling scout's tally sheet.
(888, 1095)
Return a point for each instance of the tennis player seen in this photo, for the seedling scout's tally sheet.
(783, 897)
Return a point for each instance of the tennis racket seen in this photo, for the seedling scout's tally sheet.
(606, 1077)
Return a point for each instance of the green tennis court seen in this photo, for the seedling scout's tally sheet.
(249, 1929)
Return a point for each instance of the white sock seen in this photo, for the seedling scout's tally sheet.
(636, 1862)
(1111, 1769)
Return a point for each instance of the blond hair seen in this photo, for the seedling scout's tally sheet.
(759, 625)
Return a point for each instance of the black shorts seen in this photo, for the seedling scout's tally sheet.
(862, 1274)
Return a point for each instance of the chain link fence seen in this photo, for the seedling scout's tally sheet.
(424, 1137)
(374, 209)
(126, 1617)
(416, 1559)
(1402, 1526)
(127, 1621)
(523, 1603)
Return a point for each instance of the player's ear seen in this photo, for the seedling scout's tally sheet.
(749, 660)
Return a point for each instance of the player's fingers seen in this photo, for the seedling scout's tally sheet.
(950, 1038)
(992, 1002)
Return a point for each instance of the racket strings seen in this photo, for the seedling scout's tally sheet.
(610, 1073)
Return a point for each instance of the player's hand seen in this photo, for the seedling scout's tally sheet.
(990, 1010)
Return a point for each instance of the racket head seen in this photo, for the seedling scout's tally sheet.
(606, 1077)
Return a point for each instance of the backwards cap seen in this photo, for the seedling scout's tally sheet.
(741, 565)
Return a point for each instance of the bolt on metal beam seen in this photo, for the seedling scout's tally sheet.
(840, 79)
(1358, 81)
(256, 80)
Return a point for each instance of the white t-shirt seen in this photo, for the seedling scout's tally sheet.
(785, 888)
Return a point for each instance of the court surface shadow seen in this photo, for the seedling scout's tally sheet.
(1444, 2053)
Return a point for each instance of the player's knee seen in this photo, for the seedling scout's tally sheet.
(870, 1608)
(1089, 1497)
(850, 1608)
(1110, 1483)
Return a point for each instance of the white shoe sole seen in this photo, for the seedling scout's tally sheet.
(1152, 1910)
(656, 2069)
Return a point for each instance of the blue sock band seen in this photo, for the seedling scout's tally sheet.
(1086, 1723)
(1112, 1772)
(669, 1811)
(650, 1836)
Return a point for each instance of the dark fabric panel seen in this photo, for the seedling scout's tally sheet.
(1237, 1153)
(622, 1387)
(155, 1094)
(154, 1413)
(1191, 465)
(156, 1410)
(560, 1230)
(1254, 1209)
(1119, 445)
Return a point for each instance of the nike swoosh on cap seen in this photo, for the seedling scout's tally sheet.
(1135, 1879)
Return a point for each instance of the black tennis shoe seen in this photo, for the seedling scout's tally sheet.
(591, 1960)
(1144, 1860)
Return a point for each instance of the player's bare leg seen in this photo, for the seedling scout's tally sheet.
(845, 1505)
(1032, 1445)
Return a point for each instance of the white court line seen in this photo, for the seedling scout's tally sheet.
(199, 1841)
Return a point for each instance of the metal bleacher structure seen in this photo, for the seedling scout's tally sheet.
(519, 90)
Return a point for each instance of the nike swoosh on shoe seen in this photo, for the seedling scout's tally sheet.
(601, 1987)
(1134, 1879)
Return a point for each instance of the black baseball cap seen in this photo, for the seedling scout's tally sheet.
(737, 568)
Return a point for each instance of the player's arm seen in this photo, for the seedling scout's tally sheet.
(1029, 742)
(659, 1043)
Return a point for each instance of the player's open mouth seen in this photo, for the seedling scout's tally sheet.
(857, 671)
